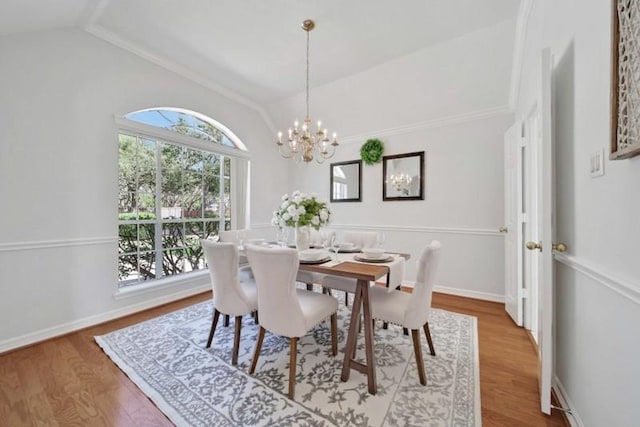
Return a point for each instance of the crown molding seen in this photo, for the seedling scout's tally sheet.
(110, 37)
(431, 124)
(522, 24)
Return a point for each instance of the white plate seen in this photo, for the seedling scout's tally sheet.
(312, 254)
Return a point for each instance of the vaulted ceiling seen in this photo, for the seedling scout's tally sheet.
(256, 48)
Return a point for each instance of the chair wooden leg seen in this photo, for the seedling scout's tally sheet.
(293, 352)
(405, 331)
(214, 323)
(385, 325)
(236, 341)
(427, 332)
(334, 334)
(346, 299)
(418, 351)
(225, 323)
(256, 318)
(309, 286)
(256, 352)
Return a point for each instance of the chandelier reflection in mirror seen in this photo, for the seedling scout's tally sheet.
(303, 142)
(401, 182)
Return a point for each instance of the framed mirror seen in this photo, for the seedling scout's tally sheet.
(345, 181)
(403, 177)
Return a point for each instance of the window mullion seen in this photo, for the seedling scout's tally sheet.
(158, 227)
(223, 217)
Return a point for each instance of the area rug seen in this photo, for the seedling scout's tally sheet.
(194, 386)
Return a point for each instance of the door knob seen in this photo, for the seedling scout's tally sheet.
(560, 247)
(503, 229)
(532, 246)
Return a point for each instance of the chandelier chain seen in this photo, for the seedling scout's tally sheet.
(307, 85)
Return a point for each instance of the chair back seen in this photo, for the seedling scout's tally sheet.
(362, 239)
(222, 261)
(322, 235)
(275, 272)
(417, 313)
(232, 235)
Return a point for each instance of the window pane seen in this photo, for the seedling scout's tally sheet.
(172, 261)
(127, 173)
(147, 265)
(146, 166)
(182, 122)
(146, 237)
(128, 239)
(172, 235)
(227, 166)
(211, 206)
(210, 229)
(147, 205)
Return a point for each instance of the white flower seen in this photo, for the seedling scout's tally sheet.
(301, 209)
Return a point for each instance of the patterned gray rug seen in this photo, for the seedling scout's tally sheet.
(166, 358)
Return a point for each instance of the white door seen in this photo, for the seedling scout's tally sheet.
(546, 178)
(513, 222)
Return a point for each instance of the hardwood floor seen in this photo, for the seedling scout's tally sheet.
(508, 366)
(69, 381)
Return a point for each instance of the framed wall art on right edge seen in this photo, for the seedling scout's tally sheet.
(625, 79)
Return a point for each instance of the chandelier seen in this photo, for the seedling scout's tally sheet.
(401, 182)
(304, 143)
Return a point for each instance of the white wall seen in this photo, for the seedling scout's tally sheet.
(598, 285)
(463, 75)
(59, 92)
(450, 101)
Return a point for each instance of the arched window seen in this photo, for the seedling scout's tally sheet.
(182, 177)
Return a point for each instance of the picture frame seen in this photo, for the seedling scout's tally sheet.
(345, 181)
(403, 177)
(625, 79)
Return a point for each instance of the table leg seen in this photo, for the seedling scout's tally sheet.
(353, 334)
(368, 340)
(361, 301)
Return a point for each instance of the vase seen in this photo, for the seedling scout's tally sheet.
(303, 237)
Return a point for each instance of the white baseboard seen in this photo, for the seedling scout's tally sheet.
(65, 328)
(485, 296)
(566, 403)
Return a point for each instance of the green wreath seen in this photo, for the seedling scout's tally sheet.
(371, 151)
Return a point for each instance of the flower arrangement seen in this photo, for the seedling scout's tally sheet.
(301, 210)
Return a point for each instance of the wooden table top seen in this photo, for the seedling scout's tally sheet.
(356, 270)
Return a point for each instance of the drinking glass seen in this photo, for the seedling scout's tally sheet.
(380, 239)
(282, 235)
(335, 246)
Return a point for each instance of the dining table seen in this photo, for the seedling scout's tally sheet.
(351, 266)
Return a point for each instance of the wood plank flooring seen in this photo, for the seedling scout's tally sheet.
(69, 381)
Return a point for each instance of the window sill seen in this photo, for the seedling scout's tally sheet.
(187, 282)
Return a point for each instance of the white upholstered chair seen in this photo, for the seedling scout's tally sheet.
(361, 239)
(411, 310)
(285, 310)
(231, 297)
(318, 238)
